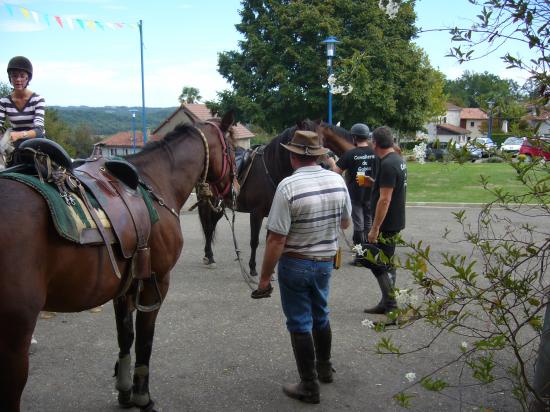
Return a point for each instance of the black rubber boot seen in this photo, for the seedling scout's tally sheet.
(322, 338)
(393, 276)
(387, 303)
(308, 389)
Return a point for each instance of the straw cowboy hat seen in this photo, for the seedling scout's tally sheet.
(305, 143)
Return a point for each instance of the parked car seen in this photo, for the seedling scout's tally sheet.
(436, 150)
(511, 145)
(486, 145)
(473, 151)
(536, 147)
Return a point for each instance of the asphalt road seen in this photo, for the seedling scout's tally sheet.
(216, 349)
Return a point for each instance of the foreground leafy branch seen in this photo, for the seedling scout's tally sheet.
(494, 298)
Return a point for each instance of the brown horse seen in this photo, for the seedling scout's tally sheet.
(265, 172)
(39, 270)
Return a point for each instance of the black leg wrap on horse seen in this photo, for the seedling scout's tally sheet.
(140, 389)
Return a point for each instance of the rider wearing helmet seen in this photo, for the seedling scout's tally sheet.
(22, 107)
(359, 160)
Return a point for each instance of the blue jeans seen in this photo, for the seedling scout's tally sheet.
(304, 286)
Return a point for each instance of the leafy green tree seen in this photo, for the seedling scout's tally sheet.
(189, 95)
(82, 141)
(5, 89)
(280, 70)
(511, 21)
(58, 130)
(476, 89)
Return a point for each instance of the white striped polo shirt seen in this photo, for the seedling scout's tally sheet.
(307, 208)
(31, 117)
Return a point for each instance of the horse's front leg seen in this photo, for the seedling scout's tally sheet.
(145, 331)
(209, 220)
(255, 226)
(125, 336)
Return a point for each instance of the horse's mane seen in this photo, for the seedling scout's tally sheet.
(340, 131)
(184, 129)
(285, 136)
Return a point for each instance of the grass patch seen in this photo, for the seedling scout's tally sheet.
(455, 183)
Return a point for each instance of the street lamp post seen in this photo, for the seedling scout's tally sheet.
(133, 111)
(490, 103)
(331, 51)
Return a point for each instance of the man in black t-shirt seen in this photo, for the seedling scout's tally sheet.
(388, 203)
(359, 160)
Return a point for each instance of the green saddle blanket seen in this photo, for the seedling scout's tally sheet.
(71, 220)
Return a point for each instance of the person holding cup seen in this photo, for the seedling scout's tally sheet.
(389, 190)
(358, 163)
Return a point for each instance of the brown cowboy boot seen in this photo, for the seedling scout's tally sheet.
(322, 338)
(307, 390)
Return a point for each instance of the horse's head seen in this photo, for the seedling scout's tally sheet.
(335, 138)
(221, 172)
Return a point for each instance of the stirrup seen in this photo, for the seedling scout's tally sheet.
(154, 306)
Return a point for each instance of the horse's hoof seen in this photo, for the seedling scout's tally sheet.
(125, 399)
(210, 262)
(150, 407)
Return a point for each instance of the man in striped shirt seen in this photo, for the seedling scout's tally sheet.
(308, 209)
(22, 107)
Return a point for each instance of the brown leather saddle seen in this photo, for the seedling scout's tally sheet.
(114, 184)
(120, 200)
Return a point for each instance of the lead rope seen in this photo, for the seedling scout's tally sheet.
(249, 280)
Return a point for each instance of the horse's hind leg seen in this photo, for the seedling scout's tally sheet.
(15, 340)
(145, 331)
(255, 226)
(125, 336)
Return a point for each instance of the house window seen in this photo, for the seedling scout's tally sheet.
(472, 124)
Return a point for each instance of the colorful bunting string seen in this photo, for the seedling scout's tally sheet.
(64, 22)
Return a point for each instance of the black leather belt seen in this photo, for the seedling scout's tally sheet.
(296, 255)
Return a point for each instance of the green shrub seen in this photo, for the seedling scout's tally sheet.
(493, 159)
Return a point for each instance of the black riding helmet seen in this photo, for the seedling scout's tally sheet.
(20, 63)
(360, 130)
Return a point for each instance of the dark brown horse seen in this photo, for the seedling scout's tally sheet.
(39, 270)
(265, 172)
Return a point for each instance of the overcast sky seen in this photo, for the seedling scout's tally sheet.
(93, 59)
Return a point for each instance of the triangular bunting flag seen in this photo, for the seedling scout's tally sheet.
(58, 20)
(25, 13)
(35, 16)
(80, 23)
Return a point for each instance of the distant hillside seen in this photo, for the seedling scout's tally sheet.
(109, 120)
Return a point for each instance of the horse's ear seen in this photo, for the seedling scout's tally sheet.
(227, 120)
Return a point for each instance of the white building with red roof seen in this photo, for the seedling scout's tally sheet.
(191, 112)
(123, 143)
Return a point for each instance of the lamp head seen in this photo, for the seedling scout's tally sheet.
(331, 46)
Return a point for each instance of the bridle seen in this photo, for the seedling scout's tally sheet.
(211, 192)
